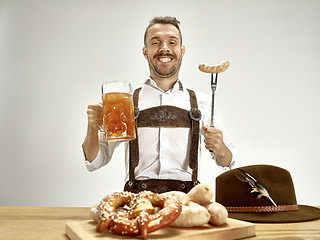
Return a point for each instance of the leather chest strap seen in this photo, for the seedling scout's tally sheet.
(164, 116)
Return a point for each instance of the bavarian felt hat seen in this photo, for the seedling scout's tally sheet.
(262, 193)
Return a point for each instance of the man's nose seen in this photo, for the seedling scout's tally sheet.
(164, 47)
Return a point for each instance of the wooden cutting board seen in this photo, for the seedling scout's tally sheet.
(232, 229)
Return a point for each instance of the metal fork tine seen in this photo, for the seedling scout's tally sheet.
(216, 80)
(213, 88)
(212, 82)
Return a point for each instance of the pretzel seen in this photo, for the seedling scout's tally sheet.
(214, 69)
(138, 215)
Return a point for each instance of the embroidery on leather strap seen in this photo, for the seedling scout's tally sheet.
(163, 115)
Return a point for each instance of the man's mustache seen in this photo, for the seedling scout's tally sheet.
(164, 55)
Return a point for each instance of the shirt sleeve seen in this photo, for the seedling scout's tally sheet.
(227, 141)
(104, 155)
(205, 107)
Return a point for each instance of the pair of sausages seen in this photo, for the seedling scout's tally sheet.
(197, 207)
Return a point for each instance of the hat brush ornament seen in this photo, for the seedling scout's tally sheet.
(256, 187)
(214, 70)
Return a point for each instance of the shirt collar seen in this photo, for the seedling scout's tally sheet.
(178, 86)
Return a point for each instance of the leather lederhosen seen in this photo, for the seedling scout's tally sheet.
(165, 116)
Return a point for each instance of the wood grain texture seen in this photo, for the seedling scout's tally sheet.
(50, 223)
(45, 223)
(233, 229)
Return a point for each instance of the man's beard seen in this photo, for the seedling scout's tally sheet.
(165, 73)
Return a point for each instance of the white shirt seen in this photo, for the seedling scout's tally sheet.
(163, 151)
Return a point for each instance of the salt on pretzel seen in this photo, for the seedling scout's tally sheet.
(140, 216)
(214, 69)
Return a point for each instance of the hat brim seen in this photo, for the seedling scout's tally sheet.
(303, 214)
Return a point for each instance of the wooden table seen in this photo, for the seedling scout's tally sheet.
(42, 223)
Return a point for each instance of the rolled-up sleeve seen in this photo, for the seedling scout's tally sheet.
(104, 155)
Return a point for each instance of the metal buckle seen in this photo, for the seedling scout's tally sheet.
(136, 113)
(130, 183)
(195, 183)
(193, 117)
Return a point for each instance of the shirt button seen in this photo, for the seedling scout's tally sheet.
(143, 185)
(182, 186)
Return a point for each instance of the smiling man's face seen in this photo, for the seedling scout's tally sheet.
(163, 51)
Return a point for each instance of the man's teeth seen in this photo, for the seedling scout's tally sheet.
(164, 60)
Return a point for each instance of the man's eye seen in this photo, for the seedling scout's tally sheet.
(155, 43)
(173, 43)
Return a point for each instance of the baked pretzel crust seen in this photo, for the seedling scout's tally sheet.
(138, 215)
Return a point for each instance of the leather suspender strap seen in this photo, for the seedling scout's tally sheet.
(166, 116)
(133, 145)
(195, 116)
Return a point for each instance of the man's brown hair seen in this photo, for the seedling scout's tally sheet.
(163, 20)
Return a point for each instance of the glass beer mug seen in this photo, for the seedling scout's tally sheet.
(118, 111)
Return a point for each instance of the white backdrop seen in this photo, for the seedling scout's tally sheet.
(54, 55)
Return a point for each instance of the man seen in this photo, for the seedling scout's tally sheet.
(164, 157)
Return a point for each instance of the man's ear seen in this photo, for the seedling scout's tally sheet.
(183, 50)
(145, 52)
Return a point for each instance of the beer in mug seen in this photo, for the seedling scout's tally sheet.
(118, 111)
